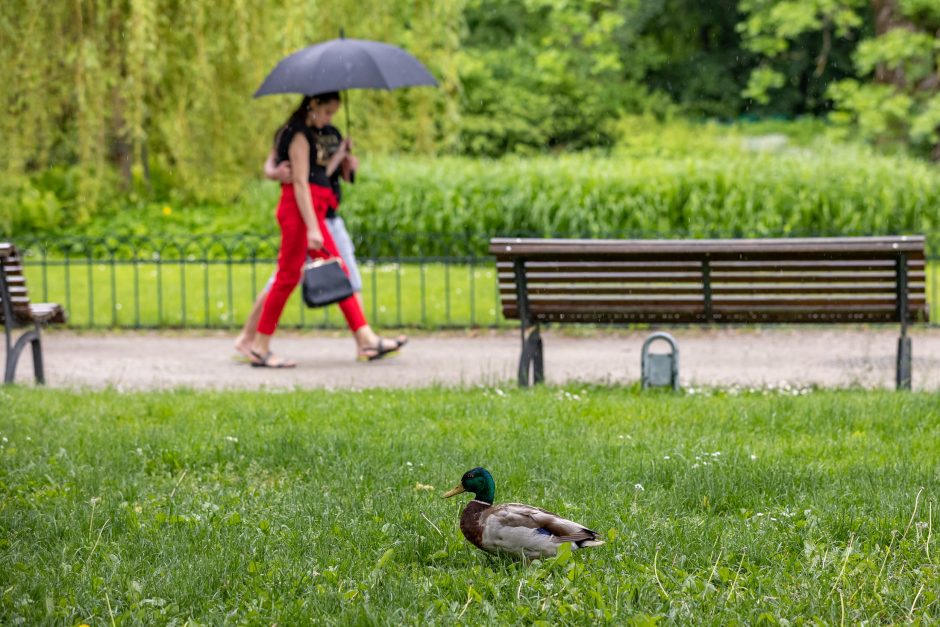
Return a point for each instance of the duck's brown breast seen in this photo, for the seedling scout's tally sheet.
(471, 522)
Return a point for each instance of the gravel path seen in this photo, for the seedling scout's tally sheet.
(725, 357)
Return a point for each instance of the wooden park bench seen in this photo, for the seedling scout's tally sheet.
(18, 312)
(732, 281)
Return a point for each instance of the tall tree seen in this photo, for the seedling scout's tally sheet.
(895, 95)
(159, 91)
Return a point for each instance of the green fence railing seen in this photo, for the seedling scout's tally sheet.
(211, 281)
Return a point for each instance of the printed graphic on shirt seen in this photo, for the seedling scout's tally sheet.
(326, 146)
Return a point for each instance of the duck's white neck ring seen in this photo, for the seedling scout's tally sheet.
(479, 501)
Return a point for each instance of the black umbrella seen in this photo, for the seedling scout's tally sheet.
(342, 64)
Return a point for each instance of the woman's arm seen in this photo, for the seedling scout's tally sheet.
(349, 166)
(299, 153)
(341, 153)
(277, 171)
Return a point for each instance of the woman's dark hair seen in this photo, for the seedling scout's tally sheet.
(300, 113)
(299, 116)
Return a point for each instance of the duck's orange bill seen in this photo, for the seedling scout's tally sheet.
(454, 492)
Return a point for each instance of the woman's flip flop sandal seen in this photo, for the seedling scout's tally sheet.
(264, 361)
(372, 353)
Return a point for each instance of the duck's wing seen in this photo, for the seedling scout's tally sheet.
(545, 523)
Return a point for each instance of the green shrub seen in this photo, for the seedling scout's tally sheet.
(673, 180)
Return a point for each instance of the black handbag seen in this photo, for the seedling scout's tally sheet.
(325, 282)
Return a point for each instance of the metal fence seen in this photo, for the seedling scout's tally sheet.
(212, 281)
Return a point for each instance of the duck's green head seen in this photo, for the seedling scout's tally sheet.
(480, 482)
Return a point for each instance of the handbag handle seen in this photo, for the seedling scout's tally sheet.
(319, 261)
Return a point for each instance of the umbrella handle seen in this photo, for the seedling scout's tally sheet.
(352, 175)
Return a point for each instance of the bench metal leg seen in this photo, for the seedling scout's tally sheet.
(904, 363)
(532, 359)
(13, 356)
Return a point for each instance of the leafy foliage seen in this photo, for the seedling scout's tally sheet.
(161, 90)
(673, 180)
(892, 98)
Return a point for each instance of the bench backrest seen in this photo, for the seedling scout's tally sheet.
(12, 268)
(812, 280)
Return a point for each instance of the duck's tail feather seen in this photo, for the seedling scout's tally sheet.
(583, 544)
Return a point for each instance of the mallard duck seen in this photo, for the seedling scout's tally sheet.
(514, 528)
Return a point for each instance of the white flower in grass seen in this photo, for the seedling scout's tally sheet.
(231, 438)
(753, 457)
(638, 487)
(666, 457)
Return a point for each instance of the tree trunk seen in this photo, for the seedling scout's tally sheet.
(121, 149)
(888, 17)
(120, 146)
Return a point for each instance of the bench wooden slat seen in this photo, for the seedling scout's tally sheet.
(676, 249)
(510, 290)
(690, 277)
(48, 312)
(681, 316)
(606, 277)
(649, 265)
(817, 288)
(507, 290)
(771, 265)
(690, 256)
(822, 277)
(716, 269)
(665, 303)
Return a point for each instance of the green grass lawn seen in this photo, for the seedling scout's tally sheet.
(311, 507)
(171, 294)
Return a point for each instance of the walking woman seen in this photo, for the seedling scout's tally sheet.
(314, 157)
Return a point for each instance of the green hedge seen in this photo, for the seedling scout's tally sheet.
(823, 190)
(662, 181)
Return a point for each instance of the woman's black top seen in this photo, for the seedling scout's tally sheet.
(324, 142)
